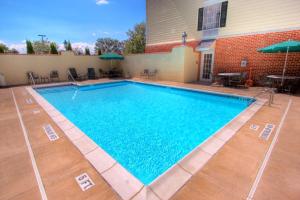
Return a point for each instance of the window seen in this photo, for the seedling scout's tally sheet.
(213, 16)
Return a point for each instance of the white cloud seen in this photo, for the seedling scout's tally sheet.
(94, 34)
(102, 2)
(21, 47)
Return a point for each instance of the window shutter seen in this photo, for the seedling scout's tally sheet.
(223, 13)
(200, 19)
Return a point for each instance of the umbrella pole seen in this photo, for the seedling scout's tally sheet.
(284, 68)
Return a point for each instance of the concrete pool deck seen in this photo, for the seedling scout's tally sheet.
(228, 175)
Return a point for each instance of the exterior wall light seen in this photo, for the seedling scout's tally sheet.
(184, 36)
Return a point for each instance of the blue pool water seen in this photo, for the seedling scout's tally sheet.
(146, 128)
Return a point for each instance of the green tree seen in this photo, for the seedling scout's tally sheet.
(69, 46)
(136, 42)
(65, 44)
(53, 48)
(87, 51)
(29, 47)
(108, 45)
(41, 47)
(3, 48)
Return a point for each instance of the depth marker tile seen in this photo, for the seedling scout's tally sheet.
(29, 101)
(254, 127)
(50, 132)
(36, 111)
(84, 181)
(266, 132)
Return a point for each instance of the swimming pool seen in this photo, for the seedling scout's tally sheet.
(146, 128)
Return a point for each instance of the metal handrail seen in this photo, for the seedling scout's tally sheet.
(32, 79)
(71, 76)
(271, 92)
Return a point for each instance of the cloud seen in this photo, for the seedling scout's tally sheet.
(21, 47)
(102, 2)
(94, 34)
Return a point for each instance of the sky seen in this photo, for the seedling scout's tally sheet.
(80, 21)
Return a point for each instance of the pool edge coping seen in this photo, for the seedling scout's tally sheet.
(121, 180)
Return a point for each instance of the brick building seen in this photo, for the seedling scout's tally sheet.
(226, 34)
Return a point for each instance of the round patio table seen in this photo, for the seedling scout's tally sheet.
(226, 77)
(285, 77)
(229, 74)
(276, 81)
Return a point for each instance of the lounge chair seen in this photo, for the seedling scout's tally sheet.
(32, 77)
(73, 75)
(145, 73)
(152, 73)
(103, 74)
(54, 76)
(115, 73)
(91, 73)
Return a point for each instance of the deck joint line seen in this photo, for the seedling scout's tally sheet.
(137, 193)
(268, 154)
(109, 168)
(184, 169)
(31, 155)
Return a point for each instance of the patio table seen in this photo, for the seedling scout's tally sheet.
(276, 77)
(289, 82)
(227, 76)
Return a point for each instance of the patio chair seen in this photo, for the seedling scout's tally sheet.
(217, 80)
(289, 86)
(103, 74)
(91, 73)
(145, 73)
(32, 77)
(115, 73)
(54, 76)
(152, 73)
(239, 81)
(263, 80)
(74, 75)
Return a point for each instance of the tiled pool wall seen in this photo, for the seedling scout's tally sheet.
(168, 183)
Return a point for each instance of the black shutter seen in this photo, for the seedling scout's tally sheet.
(223, 14)
(200, 19)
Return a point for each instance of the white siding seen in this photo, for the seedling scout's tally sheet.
(167, 19)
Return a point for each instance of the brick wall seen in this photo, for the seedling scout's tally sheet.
(168, 47)
(230, 51)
